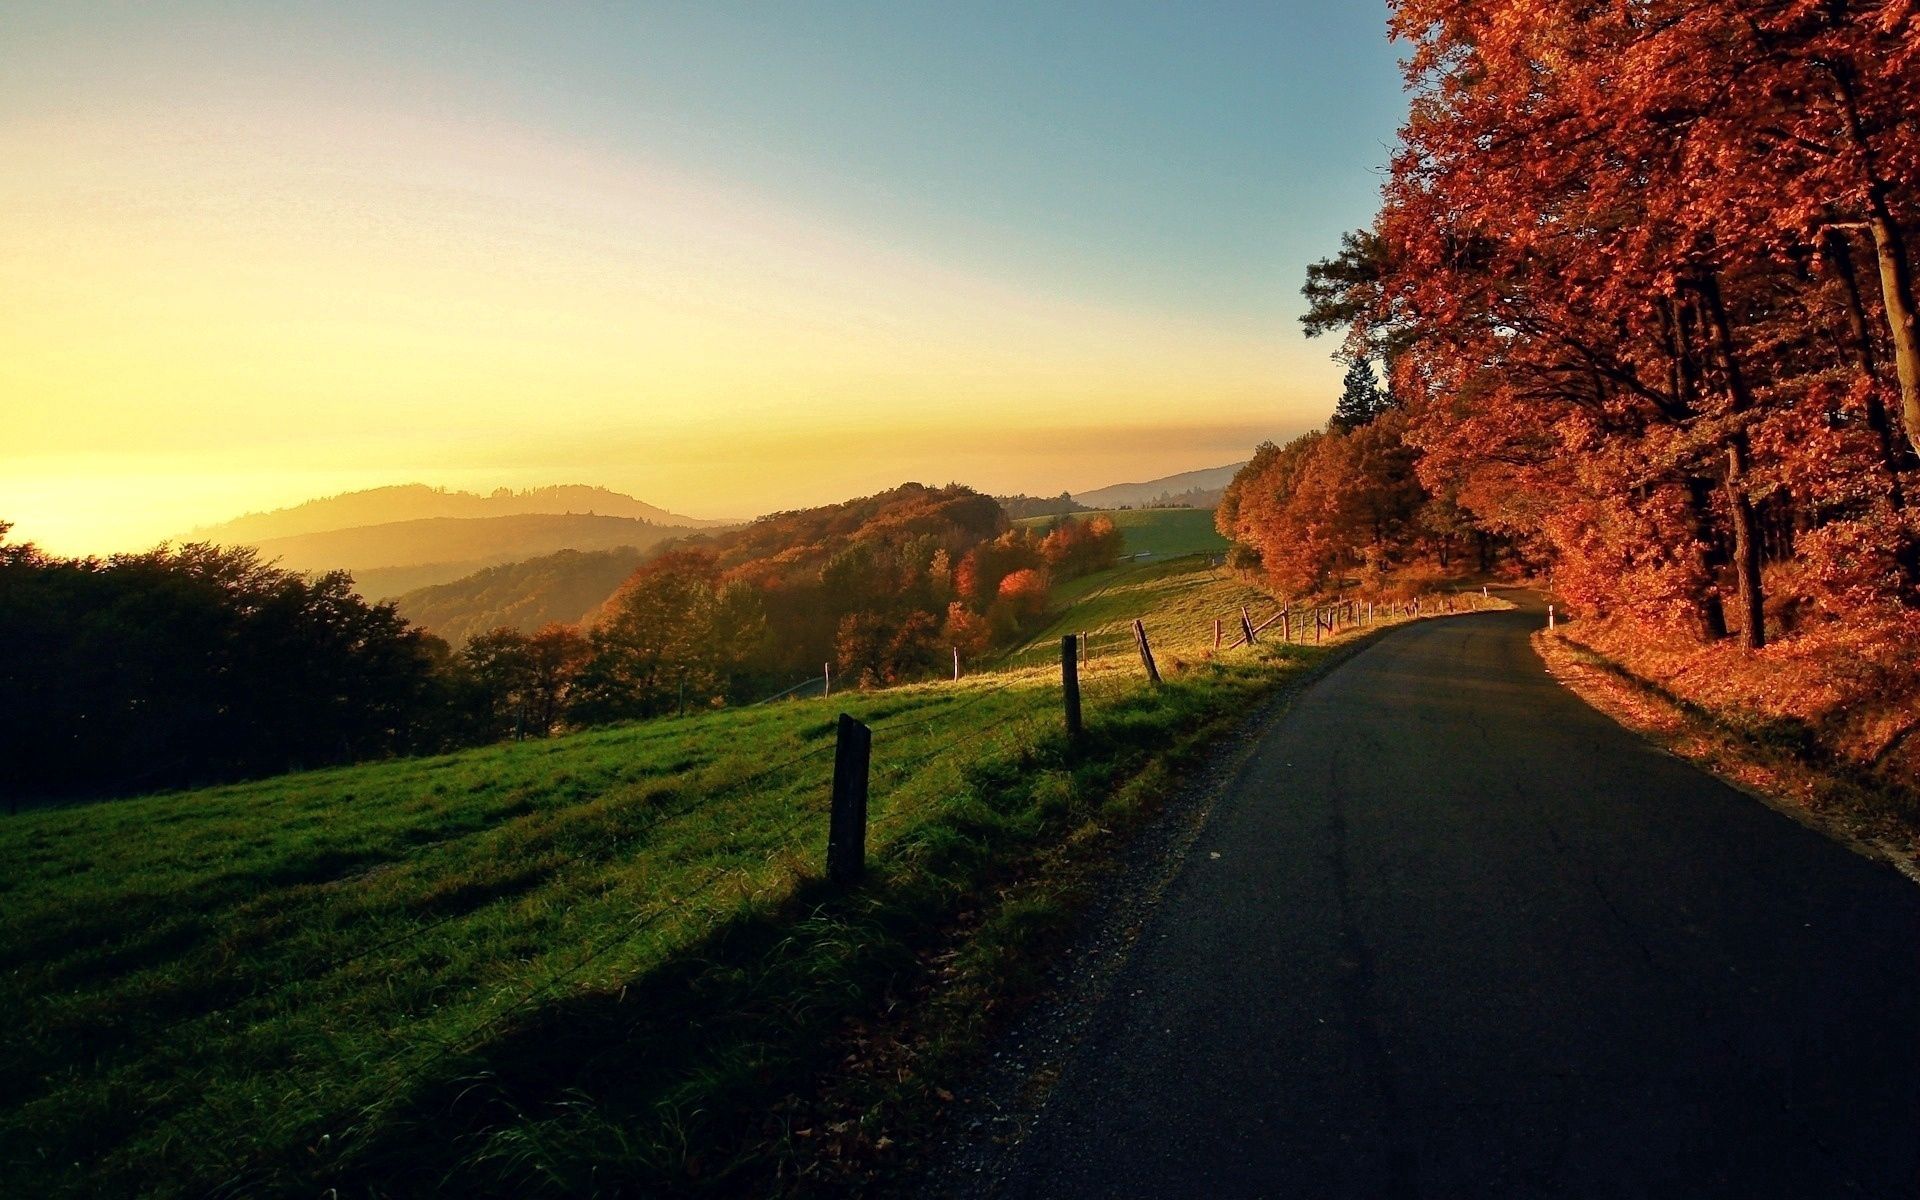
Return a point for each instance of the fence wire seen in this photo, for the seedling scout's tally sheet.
(1018, 735)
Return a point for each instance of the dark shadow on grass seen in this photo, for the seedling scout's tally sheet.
(690, 1054)
(663, 1085)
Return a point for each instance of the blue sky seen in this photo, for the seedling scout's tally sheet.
(1178, 164)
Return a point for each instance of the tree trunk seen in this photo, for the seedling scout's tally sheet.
(1708, 607)
(1896, 289)
(1896, 277)
(1746, 548)
(1839, 253)
(1746, 542)
(1710, 610)
(1839, 256)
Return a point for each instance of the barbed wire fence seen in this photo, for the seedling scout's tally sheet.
(881, 819)
(1110, 684)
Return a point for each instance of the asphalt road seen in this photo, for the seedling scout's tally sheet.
(1452, 933)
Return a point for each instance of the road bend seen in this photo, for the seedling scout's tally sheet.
(1452, 933)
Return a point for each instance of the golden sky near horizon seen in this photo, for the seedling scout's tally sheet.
(228, 311)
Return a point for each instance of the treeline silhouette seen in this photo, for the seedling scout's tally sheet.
(200, 664)
(1022, 506)
(197, 665)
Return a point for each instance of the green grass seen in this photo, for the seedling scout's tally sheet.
(1177, 600)
(556, 967)
(1159, 532)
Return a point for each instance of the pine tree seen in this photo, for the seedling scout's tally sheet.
(1362, 401)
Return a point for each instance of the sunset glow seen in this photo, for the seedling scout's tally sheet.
(259, 291)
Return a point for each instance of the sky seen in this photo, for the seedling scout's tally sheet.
(729, 258)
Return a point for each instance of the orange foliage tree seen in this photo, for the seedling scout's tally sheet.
(1331, 502)
(1643, 278)
(1072, 547)
(1021, 599)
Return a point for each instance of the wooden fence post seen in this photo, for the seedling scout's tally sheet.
(847, 823)
(1070, 685)
(1216, 635)
(826, 685)
(956, 664)
(1286, 625)
(1146, 651)
(1246, 625)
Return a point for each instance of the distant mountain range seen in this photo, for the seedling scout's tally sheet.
(391, 559)
(783, 551)
(1194, 489)
(394, 540)
(417, 501)
(1189, 489)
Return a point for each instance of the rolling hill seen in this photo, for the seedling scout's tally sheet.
(562, 587)
(1196, 489)
(416, 502)
(400, 556)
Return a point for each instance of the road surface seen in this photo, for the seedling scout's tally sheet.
(1452, 933)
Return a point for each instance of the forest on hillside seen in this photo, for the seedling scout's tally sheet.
(886, 588)
(200, 664)
(562, 588)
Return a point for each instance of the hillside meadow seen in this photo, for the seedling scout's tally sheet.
(565, 966)
(1155, 532)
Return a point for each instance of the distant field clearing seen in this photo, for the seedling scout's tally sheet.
(1159, 532)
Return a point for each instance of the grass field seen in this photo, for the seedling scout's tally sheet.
(1159, 532)
(555, 967)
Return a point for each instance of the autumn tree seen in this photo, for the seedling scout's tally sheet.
(672, 638)
(556, 655)
(1019, 601)
(1617, 268)
(1072, 547)
(1331, 503)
